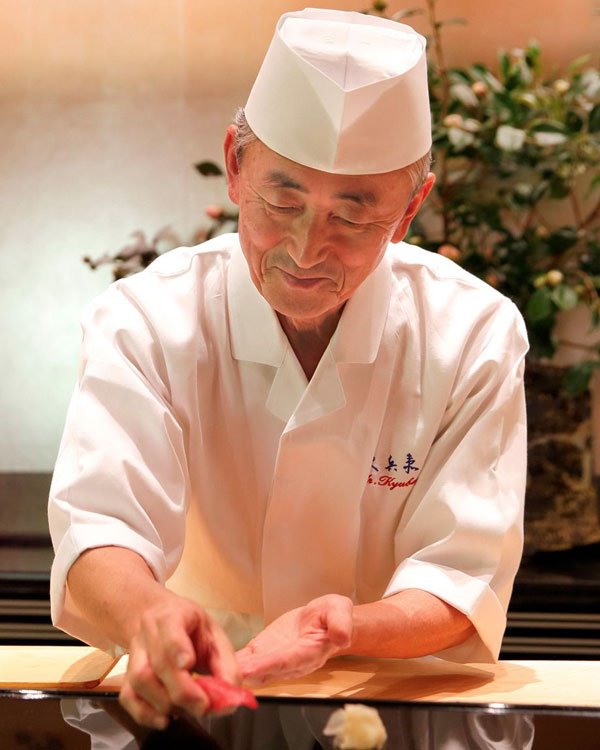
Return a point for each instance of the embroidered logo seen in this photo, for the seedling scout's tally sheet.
(381, 472)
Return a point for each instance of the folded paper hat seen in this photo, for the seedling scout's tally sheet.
(343, 92)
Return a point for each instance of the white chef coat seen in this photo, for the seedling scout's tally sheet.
(194, 438)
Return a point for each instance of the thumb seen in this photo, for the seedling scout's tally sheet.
(340, 623)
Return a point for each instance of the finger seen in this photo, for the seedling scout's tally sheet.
(141, 711)
(172, 656)
(168, 641)
(186, 694)
(144, 682)
(182, 690)
(222, 660)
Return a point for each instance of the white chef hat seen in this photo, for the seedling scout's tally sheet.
(343, 92)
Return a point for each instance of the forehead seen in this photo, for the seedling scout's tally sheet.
(266, 168)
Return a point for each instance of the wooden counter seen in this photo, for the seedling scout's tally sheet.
(559, 684)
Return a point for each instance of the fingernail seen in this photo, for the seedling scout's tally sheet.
(160, 722)
(181, 660)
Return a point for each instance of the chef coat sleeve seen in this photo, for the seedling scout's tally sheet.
(121, 475)
(461, 533)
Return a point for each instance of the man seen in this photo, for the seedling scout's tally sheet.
(314, 433)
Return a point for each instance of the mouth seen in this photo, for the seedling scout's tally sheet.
(302, 282)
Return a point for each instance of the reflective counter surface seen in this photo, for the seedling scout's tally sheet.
(38, 720)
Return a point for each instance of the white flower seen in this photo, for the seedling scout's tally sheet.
(356, 727)
(590, 83)
(460, 138)
(479, 88)
(549, 139)
(471, 124)
(509, 138)
(561, 86)
(464, 93)
(453, 121)
(524, 189)
(554, 277)
(493, 82)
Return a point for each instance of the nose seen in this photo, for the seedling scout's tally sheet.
(308, 240)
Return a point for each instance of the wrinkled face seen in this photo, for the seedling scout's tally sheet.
(311, 238)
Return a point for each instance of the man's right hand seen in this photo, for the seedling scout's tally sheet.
(175, 636)
(166, 635)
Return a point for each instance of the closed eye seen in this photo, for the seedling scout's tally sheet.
(281, 209)
(348, 223)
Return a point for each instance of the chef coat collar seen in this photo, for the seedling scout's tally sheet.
(257, 336)
(254, 329)
(358, 334)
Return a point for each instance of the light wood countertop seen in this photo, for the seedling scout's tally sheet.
(550, 684)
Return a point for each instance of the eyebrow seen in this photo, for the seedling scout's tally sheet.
(278, 178)
(362, 199)
(281, 179)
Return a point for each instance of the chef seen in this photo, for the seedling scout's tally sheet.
(307, 439)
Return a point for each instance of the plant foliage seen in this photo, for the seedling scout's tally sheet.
(517, 196)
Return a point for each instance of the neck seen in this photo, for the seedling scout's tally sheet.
(309, 340)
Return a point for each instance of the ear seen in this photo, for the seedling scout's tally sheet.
(232, 167)
(413, 207)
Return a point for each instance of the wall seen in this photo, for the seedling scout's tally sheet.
(104, 107)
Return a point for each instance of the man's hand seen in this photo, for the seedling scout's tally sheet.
(174, 637)
(299, 641)
(166, 635)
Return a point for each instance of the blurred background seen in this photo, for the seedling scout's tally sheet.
(105, 108)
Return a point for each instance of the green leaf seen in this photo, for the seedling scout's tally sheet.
(562, 239)
(480, 68)
(577, 378)
(594, 120)
(578, 62)
(532, 54)
(526, 98)
(539, 190)
(574, 122)
(564, 297)
(539, 306)
(514, 80)
(459, 75)
(209, 169)
(540, 338)
(558, 189)
(548, 126)
(504, 65)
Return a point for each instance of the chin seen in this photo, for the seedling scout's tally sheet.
(296, 307)
(301, 313)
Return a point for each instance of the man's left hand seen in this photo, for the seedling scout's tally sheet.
(298, 642)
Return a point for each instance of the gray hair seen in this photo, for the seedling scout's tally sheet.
(417, 171)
